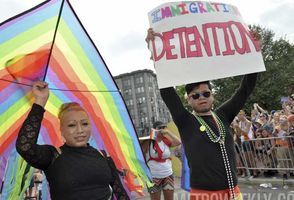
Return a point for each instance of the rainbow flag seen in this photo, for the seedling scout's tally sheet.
(153, 134)
(48, 42)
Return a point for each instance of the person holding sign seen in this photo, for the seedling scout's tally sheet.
(157, 153)
(207, 137)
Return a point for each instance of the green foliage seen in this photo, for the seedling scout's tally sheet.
(276, 82)
(181, 92)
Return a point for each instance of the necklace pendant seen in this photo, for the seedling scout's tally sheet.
(202, 128)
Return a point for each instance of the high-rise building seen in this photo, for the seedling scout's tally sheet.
(141, 95)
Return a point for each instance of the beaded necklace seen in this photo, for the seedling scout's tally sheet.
(221, 140)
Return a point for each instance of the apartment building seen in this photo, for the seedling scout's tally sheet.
(141, 95)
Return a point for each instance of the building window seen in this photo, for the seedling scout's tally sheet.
(150, 79)
(140, 89)
(150, 88)
(142, 111)
(128, 92)
(127, 82)
(139, 79)
(132, 113)
(130, 102)
(144, 119)
(141, 100)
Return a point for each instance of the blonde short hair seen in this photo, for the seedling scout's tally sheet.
(69, 107)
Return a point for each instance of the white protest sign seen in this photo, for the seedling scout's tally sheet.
(198, 41)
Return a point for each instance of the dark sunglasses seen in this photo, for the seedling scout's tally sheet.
(161, 127)
(198, 94)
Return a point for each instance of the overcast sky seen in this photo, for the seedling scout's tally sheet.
(118, 28)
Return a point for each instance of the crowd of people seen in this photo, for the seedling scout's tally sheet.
(264, 140)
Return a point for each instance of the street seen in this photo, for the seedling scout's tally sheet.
(257, 189)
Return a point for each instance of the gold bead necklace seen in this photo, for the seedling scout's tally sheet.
(210, 133)
(221, 140)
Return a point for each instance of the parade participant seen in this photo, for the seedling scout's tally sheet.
(206, 135)
(75, 170)
(244, 128)
(158, 159)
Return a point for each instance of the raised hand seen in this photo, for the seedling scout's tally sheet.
(150, 37)
(41, 92)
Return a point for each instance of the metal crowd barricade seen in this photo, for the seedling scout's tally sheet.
(272, 153)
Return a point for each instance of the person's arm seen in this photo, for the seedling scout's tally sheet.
(231, 107)
(116, 185)
(235, 127)
(174, 140)
(38, 156)
(238, 131)
(260, 109)
(145, 146)
(173, 102)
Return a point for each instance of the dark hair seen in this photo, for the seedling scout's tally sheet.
(264, 114)
(268, 128)
(158, 124)
(190, 87)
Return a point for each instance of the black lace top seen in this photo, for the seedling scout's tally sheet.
(76, 173)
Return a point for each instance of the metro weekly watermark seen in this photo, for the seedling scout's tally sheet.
(246, 196)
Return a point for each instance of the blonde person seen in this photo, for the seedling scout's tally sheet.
(157, 153)
(75, 170)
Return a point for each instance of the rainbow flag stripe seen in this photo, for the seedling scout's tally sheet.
(48, 42)
(153, 134)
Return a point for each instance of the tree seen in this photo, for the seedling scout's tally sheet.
(182, 94)
(276, 82)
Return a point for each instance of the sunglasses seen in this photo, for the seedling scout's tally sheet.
(161, 127)
(199, 94)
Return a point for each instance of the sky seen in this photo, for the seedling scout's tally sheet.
(118, 28)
